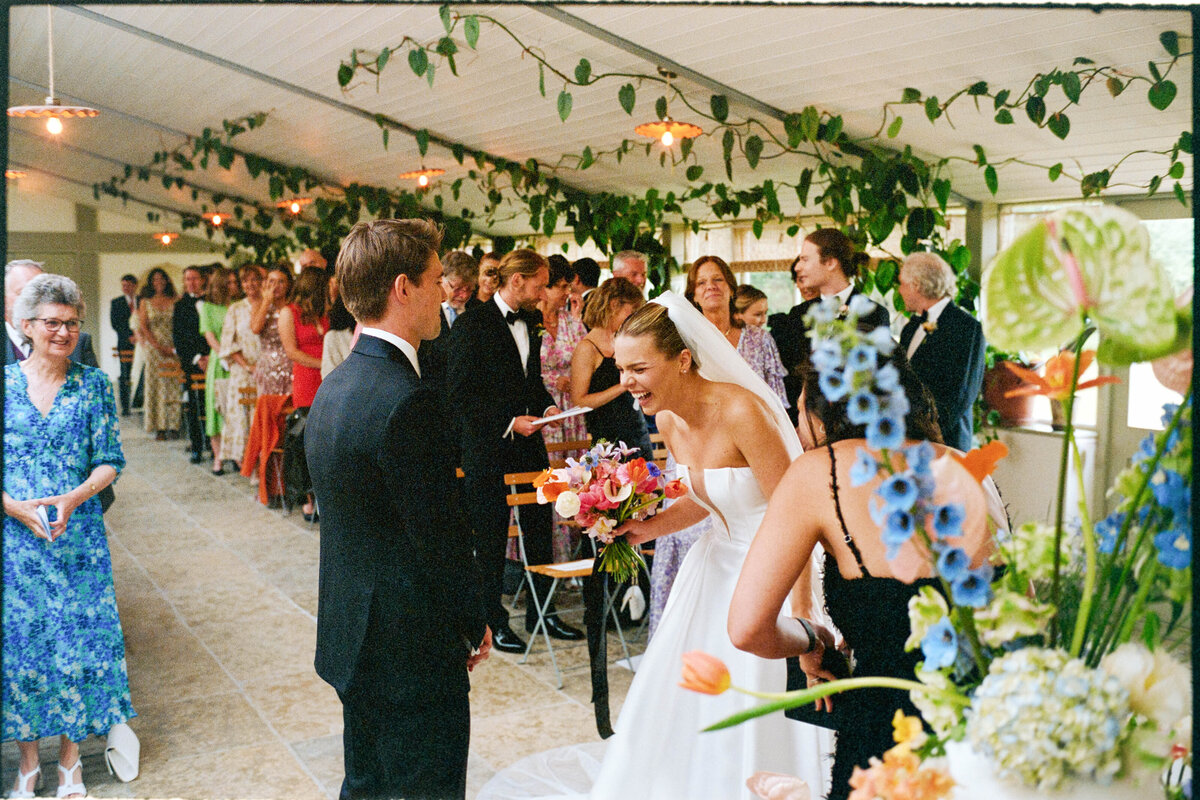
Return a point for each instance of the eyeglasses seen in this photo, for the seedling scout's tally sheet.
(53, 325)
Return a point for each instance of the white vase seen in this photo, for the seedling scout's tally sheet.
(976, 780)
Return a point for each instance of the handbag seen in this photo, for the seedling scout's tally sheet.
(122, 750)
(107, 498)
(840, 717)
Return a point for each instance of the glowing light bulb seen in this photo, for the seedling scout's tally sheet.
(423, 180)
(54, 126)
(166, 238)
(668, 139)
(295, 208)
(217, 220)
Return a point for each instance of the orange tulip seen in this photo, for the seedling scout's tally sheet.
(675, 489)
(704, 673)
(982, 461)
(1057, 382)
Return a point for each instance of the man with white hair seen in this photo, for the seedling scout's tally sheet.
(944, 343)
(17, 273)
(630, 265)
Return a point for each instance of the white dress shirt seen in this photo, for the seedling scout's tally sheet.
(932, 314)
(409, 351)
(518, 329)
(16, 338)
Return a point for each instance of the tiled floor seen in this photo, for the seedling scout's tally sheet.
(218, 601)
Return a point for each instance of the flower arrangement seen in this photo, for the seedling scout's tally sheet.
(602, 489)
(1055, 669)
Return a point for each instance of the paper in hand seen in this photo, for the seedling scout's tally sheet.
(574, 412)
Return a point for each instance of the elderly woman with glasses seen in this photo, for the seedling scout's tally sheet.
(63, 650)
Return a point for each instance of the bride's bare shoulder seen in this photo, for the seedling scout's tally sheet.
(739, 401)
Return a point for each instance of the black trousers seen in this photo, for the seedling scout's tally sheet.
(406, 730)
(193, 418)
(123, 381)
(484, 496)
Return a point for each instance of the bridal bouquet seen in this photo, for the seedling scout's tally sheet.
(602, 489)
(1058, 670)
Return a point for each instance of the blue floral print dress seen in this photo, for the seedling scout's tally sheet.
(63, 650)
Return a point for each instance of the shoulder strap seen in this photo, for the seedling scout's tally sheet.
(837, 505)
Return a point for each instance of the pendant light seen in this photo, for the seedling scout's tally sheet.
(667, 130)
(52, 110)
(422, 175)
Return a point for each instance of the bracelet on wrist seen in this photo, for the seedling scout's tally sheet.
(811, 633)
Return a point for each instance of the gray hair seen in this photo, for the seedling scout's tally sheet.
(22, 263)
(931, 275)
(620, 258)
(46, 289)
(461, 265)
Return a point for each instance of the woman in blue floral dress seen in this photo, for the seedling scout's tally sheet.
(63, 650)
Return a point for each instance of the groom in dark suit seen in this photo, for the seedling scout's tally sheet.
(399, 616)
(944, 344)
(120, 312)
(494, 380)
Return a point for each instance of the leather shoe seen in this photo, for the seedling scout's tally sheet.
(507, 641)
(196, 458)
(559, 629)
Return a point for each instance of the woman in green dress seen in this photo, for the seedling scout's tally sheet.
(223, 289)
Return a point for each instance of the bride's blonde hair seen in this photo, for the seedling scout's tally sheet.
(653, 320)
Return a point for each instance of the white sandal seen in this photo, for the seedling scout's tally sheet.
(65, 774)
(23, 780)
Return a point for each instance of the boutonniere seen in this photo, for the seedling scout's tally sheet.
(539, 330)
(929, 326)
(843, 310)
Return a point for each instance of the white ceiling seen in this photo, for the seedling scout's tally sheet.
(845, 59)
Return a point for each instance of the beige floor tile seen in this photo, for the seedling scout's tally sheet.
(175, 569)
(267, 771)
(238, 603)
(265, 646)
(298, 707)
(506, 738)
(498, 687)
(170, 730)
(323, 757)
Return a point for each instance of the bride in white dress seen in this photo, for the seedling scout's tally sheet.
(732, 440)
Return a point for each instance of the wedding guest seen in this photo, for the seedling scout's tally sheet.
(399, 617)
(272, 371)
(750, 306)
(595, 379)
(193, 350)
(827, 265)
(120, 313)
(494, 381)
(311, 258)
(16, 275)
(865, 600)
(64, 652)
(459, 277)
(489, 277)
(944, 343)
(303, 323)
(630, 265)
(223, 289)
(339, 339)
(587, 278)
(240, 351)
(155, 314)
(561, 334)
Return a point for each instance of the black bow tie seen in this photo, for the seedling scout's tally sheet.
(513, 316)
(922, 317)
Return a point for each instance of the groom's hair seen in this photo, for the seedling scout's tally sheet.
(653, 320)
(377, 252)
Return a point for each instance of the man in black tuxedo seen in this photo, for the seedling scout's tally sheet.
(399, 616)
(120, 310)
(16, 274)
(494, 382)
(944, 343)
(192, 349)
(827, 266)
(460, 276)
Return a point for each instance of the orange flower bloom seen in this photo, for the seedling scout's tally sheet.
(675, 489)
(1057, 382)
(982, 461)
(549, 488)
(704, 673)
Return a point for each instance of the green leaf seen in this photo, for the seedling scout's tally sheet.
(381, 60)
(1155, 182)
(920, 223)
(1179, 194)
(979, 155)
(1170, 42)
(910, 95)
(660, 108)
(1115, 87)
(885, 275)
(1004, 117)
(627, 96)
(471, 30)
(694, 172)
(1161, 94)
(1081, 60)
(422, 140)
(587, 159)
(345, 75)
(542, 79)
(458, 151)
(549, 220)
(804, 185)
(1154, 73)
(1071, 86)
(685, 148)
(810, 122)
(1001, 98)
(1055, 171)
(446, 46)
(1185, 142)
(977, 88)
(1059, 125)
(418, 60)
(792, 230)
(583, 71)
(429, 75)
(792, 126)
(754, 148)
(1094, 183)
(1035, 108)
(894, 129)
(564, 105)
(756, 228)
(941, 190)
(833, 129)
(1176, 170)
(727, 150)
(932, 109)
(720, 107)
(275, 187)
(444, 13)
(989, 177)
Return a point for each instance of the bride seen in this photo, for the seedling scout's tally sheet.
(732, 440)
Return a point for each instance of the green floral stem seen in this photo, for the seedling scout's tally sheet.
(1089, 551)
(1139, 601)
(785, 700)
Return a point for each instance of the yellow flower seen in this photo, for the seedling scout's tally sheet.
(704, 673)
(906, 730)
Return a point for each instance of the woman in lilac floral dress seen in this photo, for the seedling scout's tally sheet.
(63, 650)
(711, 286)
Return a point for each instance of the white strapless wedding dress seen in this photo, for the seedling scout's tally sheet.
(659, 751)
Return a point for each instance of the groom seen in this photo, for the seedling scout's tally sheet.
(399, 616)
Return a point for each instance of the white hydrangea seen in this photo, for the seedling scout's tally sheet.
(1043, 717)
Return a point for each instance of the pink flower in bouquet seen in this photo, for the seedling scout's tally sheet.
(592, 497)
(900, 776)
(675, 489)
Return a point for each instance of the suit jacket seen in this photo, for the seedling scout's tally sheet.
(390, 551)
(189, 342)
(487, 388)
(795, 348)
(431, 355)
(82, 354)
(949, 361)
(119, 315)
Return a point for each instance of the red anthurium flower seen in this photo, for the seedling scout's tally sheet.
(1057, 382)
